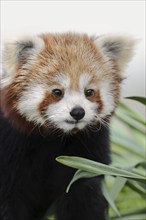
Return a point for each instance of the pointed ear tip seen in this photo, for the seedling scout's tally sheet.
(13, 46)
(129, 40)
(121, 42)
(117, 37)
(22, 38)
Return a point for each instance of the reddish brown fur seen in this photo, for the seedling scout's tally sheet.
(8, 105)
(48, 99)
(72, 54)
(67, 53)
(97, 98)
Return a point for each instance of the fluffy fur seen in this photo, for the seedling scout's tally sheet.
(58, 94)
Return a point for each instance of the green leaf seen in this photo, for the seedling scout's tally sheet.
(129, 202)
(138, 98)
(132, 123)
(130, 113)
(132, 217)
(117, 187)
(96, 168)
(109, 198)
(79, 174)
(142, 164)
(51, 217)
(137, 188)
(133, 149)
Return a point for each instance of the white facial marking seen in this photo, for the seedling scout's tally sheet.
(107, 98)
(29, 102)
(62, 79)
(84, 80)
(59, 113)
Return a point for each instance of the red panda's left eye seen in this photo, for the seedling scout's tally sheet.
(57, 93)
(89, 92)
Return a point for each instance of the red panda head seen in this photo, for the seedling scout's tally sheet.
(63, 81)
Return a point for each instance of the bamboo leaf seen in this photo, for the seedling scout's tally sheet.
(137, 188)
(79, 174)
(132, 217)
(133, 124)
(138, 98)
(117, 187)
(128, 111)
(142, 164)
(109, 198)
(96, 168)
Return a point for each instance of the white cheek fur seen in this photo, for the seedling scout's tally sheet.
(107, 99)
(62, 79)
(59, 112)
(29, 102)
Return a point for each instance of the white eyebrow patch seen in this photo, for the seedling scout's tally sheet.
(62, 79)
(84, 80)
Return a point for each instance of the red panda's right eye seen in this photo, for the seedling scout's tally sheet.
(57, 93)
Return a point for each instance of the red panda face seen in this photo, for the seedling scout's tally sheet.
(66, 82)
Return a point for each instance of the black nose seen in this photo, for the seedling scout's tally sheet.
(77, 113)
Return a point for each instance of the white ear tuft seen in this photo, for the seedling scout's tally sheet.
(117, 48)
(17, 53)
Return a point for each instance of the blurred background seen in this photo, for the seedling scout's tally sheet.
(92, 17)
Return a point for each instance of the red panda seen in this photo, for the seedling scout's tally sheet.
(58, 93)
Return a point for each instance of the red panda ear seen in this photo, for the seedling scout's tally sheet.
(117, 47)
(16, 53)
